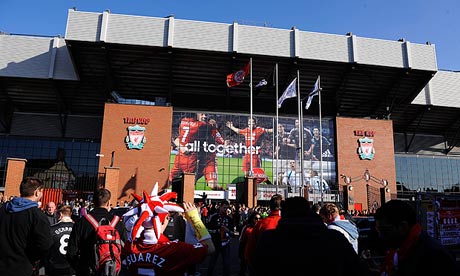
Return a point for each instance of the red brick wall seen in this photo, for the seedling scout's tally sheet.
(14, 175)
(349, 163)
(139, 169)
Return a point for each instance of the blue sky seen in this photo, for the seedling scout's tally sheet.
(418, 21)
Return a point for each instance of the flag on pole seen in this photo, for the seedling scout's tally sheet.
(290, 92)
(267, 81)
(237, 77)
(314, 92)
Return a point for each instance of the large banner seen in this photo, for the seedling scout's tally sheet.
(221, 149)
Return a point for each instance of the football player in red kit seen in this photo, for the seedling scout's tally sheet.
(193, 133)
(207, 163)
(251, 136)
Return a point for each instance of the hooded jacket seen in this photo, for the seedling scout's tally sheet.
(348, 229)
(24, 236)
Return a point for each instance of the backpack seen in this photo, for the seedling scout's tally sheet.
(107, 248)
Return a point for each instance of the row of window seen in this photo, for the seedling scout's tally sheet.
(418, 173)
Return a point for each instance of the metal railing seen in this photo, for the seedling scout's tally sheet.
(67, 180)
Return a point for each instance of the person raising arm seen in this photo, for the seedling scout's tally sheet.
(150, 252)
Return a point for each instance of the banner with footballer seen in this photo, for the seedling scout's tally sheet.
(222, 149)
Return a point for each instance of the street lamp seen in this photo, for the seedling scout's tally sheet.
(366, 177)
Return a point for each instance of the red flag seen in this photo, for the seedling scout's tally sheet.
(237, 78)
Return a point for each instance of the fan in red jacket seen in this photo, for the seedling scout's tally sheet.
(270, 222)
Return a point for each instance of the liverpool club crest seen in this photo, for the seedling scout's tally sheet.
(366, 148)
(135, 138)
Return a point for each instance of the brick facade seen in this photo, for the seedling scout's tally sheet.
(14, 175)
(349, 163)
(136, 170)
(139, 169)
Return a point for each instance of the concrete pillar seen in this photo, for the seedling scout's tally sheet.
(14, 175)
(112, 178)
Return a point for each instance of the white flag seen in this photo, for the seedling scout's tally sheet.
(313, 93)
(290, 92)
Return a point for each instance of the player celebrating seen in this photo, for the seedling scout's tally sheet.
(251, 136)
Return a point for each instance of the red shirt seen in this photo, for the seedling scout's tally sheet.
(270, 222)
(204, 211)
(256, 133)
(188, 130)
(163, 258)
(245, 233)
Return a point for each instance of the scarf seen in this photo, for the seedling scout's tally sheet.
(394, 257)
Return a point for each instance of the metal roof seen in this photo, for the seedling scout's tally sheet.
(186, 62)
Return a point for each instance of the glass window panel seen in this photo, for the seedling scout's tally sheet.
(430, 173)
(76, 146)
(20, 143)
(427, 177)
(455, 173)
(432, 170)
(84, 146)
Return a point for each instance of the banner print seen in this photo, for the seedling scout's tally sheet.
(220, 148)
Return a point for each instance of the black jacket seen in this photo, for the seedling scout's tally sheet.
(24, 237)
(56, 263)
(220, 236)
(299, 244)
(52, 219)
(82, 238)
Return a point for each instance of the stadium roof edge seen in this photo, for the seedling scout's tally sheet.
(187, 61)
(235, 38)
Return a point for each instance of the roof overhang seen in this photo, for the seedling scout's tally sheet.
(192, 79)
(187, 62)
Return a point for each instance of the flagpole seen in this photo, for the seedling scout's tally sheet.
(302, 166)
(320, 141)
(251, 118)
(299, 105)
(277, 132)
(274, 146)
(291, 92)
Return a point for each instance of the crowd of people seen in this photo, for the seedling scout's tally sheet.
(295, 181)
(286, 237)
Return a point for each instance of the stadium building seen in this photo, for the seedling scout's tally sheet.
(102, 105)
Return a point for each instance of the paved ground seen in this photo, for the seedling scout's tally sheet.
(235, 267)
